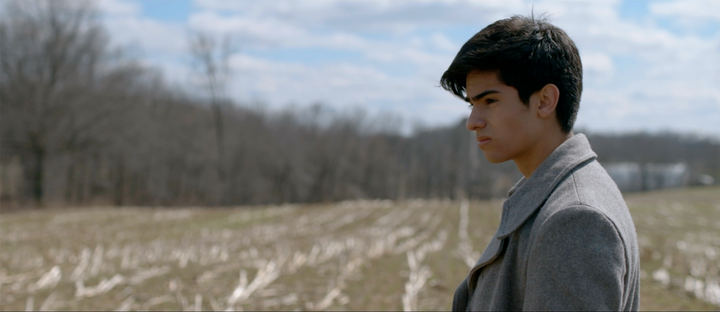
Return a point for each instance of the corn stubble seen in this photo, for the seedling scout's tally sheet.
(355, 255)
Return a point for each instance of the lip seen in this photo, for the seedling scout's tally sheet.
(482, 141)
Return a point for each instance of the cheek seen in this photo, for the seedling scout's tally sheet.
(515, 130)
(511, 125)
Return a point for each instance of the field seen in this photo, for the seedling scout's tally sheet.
(358, 255)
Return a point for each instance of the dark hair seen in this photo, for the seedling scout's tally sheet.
(528, 53)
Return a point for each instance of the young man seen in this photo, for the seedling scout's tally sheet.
(566, 240)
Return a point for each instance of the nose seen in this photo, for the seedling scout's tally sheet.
(475, 121)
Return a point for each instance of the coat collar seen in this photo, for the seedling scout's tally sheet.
(529, 194)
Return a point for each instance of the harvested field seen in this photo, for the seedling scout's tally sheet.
(359, 255)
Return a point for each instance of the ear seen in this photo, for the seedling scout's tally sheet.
(548, 98)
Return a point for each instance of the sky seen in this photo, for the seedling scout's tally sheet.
(648, 65)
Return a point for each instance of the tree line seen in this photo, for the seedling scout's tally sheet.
(80, 123)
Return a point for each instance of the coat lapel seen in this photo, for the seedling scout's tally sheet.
(527, 197)
(491, 252)
(530, 194)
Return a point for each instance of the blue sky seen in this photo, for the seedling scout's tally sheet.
(649, 65)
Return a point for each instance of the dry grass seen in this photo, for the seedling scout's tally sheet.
(364, 255)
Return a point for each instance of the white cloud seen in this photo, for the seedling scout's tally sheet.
(687, 9)
(673, 88)
(154, 37)
(598, 67)
(342, 86)
(117, 7)
(673, 83)
(385, 16)
(442, 42)
(652, 105)
(262, 32)
(128, 27)
(273, 33)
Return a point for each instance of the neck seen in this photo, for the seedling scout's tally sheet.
(532, 160)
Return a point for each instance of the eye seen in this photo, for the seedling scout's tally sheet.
(490, 101)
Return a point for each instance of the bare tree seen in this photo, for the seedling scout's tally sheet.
(50, 54)
(87, 127)
(211, 59)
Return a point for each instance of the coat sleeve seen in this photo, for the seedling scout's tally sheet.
(576, 263)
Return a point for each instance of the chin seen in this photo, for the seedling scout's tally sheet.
(495, 159)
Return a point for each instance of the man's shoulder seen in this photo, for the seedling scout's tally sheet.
(590, 188)
(588, 185)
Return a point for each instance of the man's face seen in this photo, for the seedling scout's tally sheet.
(506, 129)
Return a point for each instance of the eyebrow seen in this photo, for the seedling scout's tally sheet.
(481, 95)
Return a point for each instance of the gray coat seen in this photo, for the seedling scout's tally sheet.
(566, 241)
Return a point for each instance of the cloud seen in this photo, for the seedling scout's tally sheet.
(396, 17)
(128, 28)
(258, 33)
(706, 11)
(665, 80)
(273, 33)
(268, 32)
(389, 55)
(342, 86)
(652, 105)
(442, 42)
(598, 67)
(154, 37)
(117, 7)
